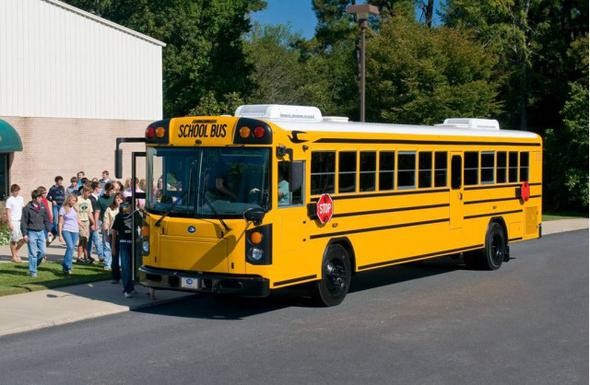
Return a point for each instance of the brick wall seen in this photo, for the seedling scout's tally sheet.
(55, 146)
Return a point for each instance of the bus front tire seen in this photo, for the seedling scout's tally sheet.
(493, 253)
(336, 276)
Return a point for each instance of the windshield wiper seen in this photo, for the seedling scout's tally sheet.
(157, 224)
(225, 226)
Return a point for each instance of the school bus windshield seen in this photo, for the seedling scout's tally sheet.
(207, 182)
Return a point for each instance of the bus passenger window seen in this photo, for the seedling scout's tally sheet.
(368, 167)
(347, 171)
(456, 171)
(290, 187)
(323, 170)
(487, 167)
(440, 169)
(501, 167)
(524, 166)
(513, 166)
(425, 169)
(471, 168)
(386, 170)
(406, 170)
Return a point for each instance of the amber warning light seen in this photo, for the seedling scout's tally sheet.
(252, 131)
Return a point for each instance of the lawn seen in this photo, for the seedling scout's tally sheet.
(553, 216)
(14, 278)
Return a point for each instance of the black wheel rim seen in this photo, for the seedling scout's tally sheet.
(497, 249)
(335, 276)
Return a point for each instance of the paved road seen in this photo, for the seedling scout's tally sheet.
(428, 323)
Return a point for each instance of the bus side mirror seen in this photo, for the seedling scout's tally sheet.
(296, 174)
(254, 215)
(118, 164)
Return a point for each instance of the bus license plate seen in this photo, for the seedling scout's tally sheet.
(189, 283)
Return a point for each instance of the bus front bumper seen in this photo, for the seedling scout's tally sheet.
(244, 285)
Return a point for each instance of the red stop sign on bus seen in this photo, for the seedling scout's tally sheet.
(324, 208)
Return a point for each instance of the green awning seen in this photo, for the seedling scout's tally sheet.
(9, 138)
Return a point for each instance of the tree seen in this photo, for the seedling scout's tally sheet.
(204, 56)
(422, 76)
(566, 150)
(278, 76)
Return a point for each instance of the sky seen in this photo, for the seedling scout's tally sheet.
(297, 13)
(300, 16)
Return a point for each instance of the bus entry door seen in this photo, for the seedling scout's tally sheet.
(456, 192)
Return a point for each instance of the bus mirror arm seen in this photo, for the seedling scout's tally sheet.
(254, 215)
(282, 151)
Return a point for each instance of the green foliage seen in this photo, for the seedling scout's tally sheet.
(290, 71)
(277, 74)
(566, 154)
(419, 75)
(4, 234)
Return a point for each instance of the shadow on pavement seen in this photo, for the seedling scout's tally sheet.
(207, 306)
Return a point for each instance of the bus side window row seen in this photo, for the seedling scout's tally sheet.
(426, 170)
(422, 169)
(479, 167)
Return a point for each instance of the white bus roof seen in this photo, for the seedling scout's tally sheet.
(304, 118)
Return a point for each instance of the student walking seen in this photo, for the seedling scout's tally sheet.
(69, 230)
(56, 196)
(14, 212)
(121, 243)
(34, 225)
(73, 187)
(85, 213)
(95, 238)
(103, 202)
(107, 224)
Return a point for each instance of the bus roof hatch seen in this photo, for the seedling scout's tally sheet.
(280, 112)
(471, 123)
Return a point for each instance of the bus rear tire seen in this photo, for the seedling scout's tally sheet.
(493, 253)
(331, 289)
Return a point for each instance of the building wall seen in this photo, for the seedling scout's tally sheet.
(58, 146)
(58, 61)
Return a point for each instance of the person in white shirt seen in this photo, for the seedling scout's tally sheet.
(14, 212)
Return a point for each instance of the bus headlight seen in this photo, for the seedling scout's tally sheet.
(255, 254)
(258, 242)
(145, 245)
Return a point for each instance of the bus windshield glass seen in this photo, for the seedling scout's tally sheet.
(207, 182)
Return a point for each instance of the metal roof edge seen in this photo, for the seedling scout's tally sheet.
(106, 22)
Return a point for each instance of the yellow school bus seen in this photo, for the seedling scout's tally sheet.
(277, 196)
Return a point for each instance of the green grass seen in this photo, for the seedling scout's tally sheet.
(14, 277)
(553, 216)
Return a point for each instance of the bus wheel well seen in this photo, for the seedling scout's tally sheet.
(500, 221)
(345, 242)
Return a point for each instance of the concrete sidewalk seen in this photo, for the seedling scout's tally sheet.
(45, 308)
(563, 225)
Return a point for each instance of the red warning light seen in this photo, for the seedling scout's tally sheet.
(259, 132)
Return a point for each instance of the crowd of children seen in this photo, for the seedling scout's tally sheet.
(88, 213)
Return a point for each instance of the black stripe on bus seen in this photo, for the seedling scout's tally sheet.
(395, 261)
(387, 194)
(496, 186)
(492, 200)
(389, 210)
(515, 239)
(492, 214)
(280, 283)
(536, 196)
(407, 141)
(378, 228)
